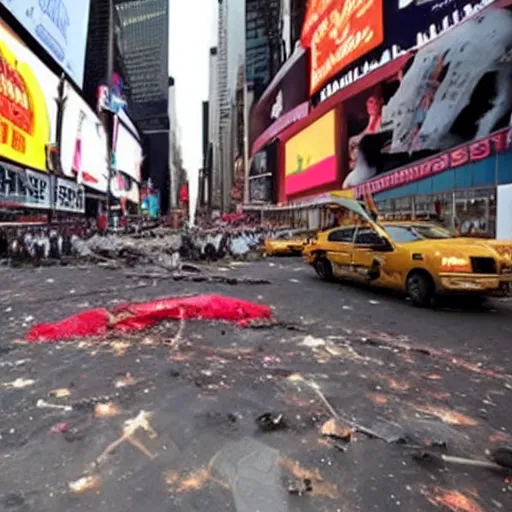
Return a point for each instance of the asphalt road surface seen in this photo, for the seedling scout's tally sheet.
(406, 381)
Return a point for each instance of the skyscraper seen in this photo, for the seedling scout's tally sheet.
(142, 34)
(263, 52)
(143, 38)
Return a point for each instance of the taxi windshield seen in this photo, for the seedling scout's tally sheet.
(414, 232)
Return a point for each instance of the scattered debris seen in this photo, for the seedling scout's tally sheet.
(42, 404)
(300, 487)
(140, 422)
(138, 316)
(439, 459)
(336, 429)
(451, 499)
(319, 487)
(19, 383)
(188, 483)
(59, 393)
(446, 415)
(268, 422)
(84, 484)
(501, 456)
(60, 428)
(106, 410)
(271, 360)
(124, 381)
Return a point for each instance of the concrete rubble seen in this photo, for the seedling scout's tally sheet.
(161, 247)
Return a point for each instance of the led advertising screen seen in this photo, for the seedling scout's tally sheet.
(128, 152)
(310, 156)
(348, 31)
(60, 27)
(84, 143)
(28, 108)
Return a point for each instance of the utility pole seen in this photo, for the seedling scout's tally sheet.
(108, 113)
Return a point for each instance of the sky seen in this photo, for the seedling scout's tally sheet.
(192, 31)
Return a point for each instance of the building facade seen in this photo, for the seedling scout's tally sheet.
(397, 121)
(213, 163)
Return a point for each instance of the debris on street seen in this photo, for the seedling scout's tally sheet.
(131, 427)
(84, 484)
(336, 429)
(136, 317)
(106, 410)
(268, 422)
(452, 500)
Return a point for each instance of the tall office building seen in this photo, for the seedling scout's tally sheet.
(263, 45)
(142, 34)
(213, 164)
(96, 55)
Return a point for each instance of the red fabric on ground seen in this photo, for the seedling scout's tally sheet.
(198, 307)
(96, 322)
(89, 323)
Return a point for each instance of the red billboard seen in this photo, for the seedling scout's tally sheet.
(340, 34)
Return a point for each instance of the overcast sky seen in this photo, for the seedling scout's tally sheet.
(192, 31)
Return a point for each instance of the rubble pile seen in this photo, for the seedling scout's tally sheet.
(161, 247)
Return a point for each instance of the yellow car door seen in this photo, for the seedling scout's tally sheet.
(369, 256)
(339, 250)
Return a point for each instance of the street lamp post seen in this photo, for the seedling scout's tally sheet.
(110, 72)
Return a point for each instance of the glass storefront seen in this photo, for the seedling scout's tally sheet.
(471, 212)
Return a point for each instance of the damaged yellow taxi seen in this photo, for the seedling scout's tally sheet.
(422, 260)
(287, 244)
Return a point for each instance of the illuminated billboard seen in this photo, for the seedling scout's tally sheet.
(28, 108)
(310, 156)
(83, 150)
(60, 27)
(346, 33)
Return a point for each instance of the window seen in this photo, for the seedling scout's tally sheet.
(367, 236)
(402, 234)
(342, 235)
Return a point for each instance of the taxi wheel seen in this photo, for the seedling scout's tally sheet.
(420, 289)
(323, 268)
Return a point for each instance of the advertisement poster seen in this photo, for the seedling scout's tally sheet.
(84, 144)
(125, 189)
(455, 90)
(150, 202)
(69, 196)
(261, 176)
(310, 156)
(285, 95)
(60, 27)
(406, 24)
(127, 152)
(27, 108)
(23, 188)
(348, 31)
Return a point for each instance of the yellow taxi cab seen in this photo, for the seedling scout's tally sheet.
(421, 259)
(286, 244)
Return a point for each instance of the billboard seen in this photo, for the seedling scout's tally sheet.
(83, 144)
(262, 175)
(28, 108)
(453, 91)
(24, 188)
(347, 31)
(127, 152)
(284, 94)
(310, 156)
(60, 27)
(406, 24)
